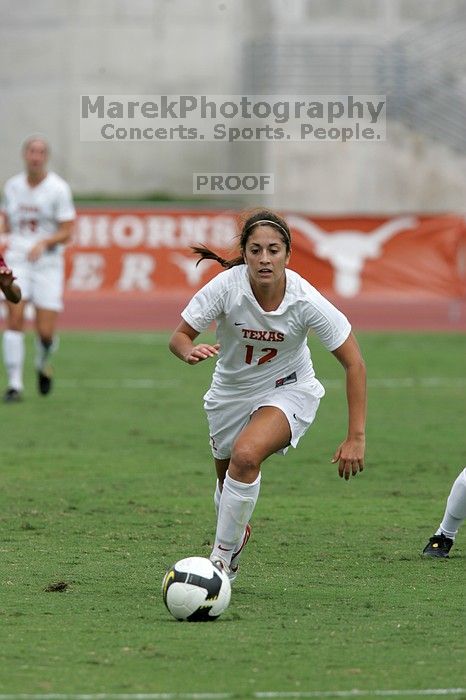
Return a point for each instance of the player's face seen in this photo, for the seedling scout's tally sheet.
(266, 257)
(35, 157)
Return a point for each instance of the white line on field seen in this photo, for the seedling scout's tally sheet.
(127, 338)
(379, 383)
(354, 693)
(362, 693)
(118, 383)
(403, 382)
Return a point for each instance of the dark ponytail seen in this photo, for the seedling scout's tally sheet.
(207, 254)
(261, 217)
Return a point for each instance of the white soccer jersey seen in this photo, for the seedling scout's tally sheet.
(36, 212)
(261, 350)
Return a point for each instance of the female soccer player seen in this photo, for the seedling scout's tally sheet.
(38, 212)
(264, 394)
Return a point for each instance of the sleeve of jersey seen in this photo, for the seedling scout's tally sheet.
(65, 210)
(206, 305)
(329, 324)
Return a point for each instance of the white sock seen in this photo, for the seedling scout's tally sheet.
(217, 496)
(43, 352)
(455, 511)
(237, 504)
(13, 358)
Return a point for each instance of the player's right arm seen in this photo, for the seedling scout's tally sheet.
(3, 223)
(4, 204)
(11, 290)
(182, 345)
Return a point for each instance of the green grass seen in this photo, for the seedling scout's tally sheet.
(108, 481)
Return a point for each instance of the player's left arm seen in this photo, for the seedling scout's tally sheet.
(62, 235)
(350, 454)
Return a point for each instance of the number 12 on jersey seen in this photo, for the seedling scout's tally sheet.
(269, 354)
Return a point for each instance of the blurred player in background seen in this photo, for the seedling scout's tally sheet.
(38, 215)
(455, 513)
(264, 394)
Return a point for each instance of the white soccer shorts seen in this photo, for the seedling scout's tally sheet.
(228, 415)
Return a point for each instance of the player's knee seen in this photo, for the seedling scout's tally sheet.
(244, 463)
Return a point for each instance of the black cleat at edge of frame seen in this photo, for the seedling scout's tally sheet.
(438, 547)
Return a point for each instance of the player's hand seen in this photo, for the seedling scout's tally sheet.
(350, 457)
(37, 250)
(201, 352)
(6, 274)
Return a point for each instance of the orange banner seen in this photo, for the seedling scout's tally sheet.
(146, 252)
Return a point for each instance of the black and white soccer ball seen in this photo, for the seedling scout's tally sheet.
(195, 590)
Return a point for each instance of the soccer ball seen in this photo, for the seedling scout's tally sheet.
(195, 590)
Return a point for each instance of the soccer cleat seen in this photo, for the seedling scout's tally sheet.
(222, 565)
(12, 396)
(44, 382)
(234, 567)
(438, 546)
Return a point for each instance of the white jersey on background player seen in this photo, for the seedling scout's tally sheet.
(264, 394)
(38, 215)
(34, 214)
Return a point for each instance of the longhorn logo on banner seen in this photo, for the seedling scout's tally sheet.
(347, 250)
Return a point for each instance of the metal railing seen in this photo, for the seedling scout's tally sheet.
(422, 71)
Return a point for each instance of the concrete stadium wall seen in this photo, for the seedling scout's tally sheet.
(51, 51)
(408, 173)
(54, 50)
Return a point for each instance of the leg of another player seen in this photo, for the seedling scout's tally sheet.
(267, 431)
(455, 514)
(13, 351)
(46, 320)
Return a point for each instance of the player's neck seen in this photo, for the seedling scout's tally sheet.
(269, 298)
(35, 178)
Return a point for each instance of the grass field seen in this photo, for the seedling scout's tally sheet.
(108, 481)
